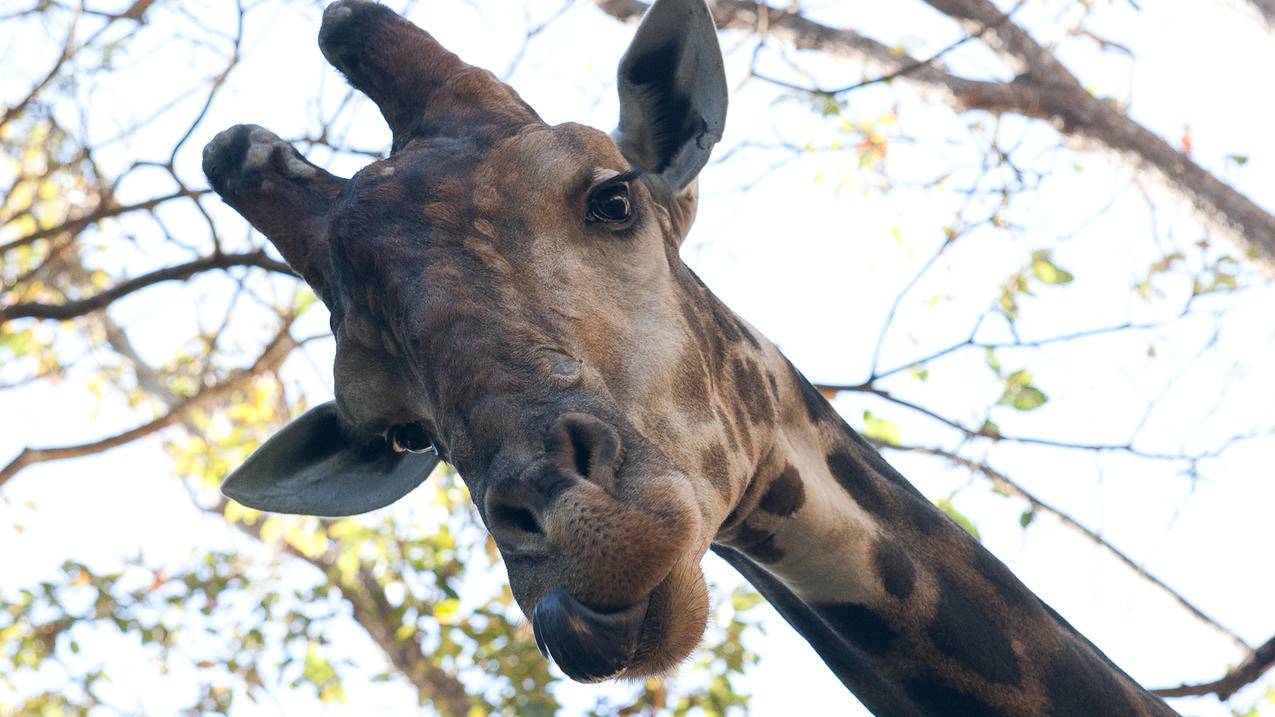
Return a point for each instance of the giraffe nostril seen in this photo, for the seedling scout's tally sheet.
(583, 454)
(514, 522)
(517, 518)
(584, 446)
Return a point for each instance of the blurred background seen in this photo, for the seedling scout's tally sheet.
(1026, 247)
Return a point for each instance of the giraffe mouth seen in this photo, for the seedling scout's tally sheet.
(587, 645)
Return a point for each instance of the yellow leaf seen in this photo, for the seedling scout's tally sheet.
(237, 513)
(311, 544)
(445, 610)
(271, 530)
(48, 189)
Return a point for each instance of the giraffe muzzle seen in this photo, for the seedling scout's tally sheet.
(588, 645)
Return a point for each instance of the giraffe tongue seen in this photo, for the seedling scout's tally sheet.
(589, 646)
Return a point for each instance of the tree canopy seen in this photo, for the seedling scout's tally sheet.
(1026, 247)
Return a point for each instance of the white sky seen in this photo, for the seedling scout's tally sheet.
(812, 261)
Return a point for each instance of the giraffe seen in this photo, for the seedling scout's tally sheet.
(508, 297)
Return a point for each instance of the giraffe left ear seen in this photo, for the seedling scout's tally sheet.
(672, 92)
(313, 466)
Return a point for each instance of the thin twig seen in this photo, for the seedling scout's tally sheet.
(177, 272)
(1008, 485)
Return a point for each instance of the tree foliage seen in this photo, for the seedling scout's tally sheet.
(128, 290)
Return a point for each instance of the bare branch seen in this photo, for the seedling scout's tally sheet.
(68, 51)
(374, 612)
(1246, 673)
(178, 272)
(1192, 459)
(1045, 90)
(276, 351)
(1009, 486)
(918, 64)
(103, 211)
(367, 599)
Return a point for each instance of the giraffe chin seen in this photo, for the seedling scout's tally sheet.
(650, 637)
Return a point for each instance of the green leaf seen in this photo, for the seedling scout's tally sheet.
(993, 362)
(960, 518)
(1027, 517)
(990, 429)
(1029, 399)
(744, 600)
(1047, 271)
(881, 430)
(1020, 393)
(305, 299)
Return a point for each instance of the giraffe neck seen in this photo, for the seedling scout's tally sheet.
(905, 607)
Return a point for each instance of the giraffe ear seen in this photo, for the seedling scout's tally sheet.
(313, 466)
(672, 92)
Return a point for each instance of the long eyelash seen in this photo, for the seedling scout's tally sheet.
(625, 178)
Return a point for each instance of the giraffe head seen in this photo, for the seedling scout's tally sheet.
(507, 296)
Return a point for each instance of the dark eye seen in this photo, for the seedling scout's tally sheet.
(611, 204)
(410, 438)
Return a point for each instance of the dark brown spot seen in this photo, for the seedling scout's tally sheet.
(859, 483)
(728, 428)
(864, 628)
(752, 392)
(898, 574)
(746, 333)
(934, 697)
(1078, 682)
(726, 327)
(759, 544)
(1013, 592)
(692, 388)
(964, 629)
(785, 494)
(817, 406)
(714, 465)
(743, 428)
(925, 516)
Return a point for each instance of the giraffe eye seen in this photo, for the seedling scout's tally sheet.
(410, 438)
(610, 203)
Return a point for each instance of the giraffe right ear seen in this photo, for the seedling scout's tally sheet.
(280, 193)
(314, 466)
(673, 94)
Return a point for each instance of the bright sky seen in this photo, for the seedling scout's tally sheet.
(809, 255)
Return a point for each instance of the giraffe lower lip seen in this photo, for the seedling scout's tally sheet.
(587, 645)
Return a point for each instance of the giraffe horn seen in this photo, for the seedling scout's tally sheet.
(420, 87)
(279, 192)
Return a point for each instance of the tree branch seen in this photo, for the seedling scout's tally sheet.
(1246, 673)
(982, 432)
(276, 351)
(68, 51)
(1009, 486)
(367, 599)
(1046, 90)
(179, 272)
(101, 212)
(374, 612)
